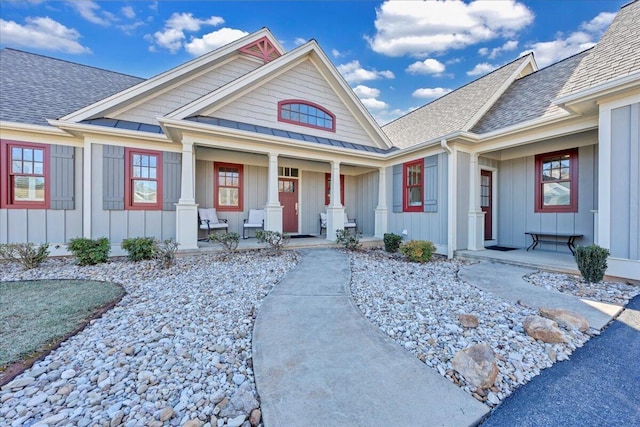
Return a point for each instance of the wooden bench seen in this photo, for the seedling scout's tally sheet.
(535, 236)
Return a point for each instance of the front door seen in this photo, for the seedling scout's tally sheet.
(486, 202)
(288, 194)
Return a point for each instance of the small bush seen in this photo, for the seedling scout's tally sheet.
(139, 248)
(165, 253)
(228, 241)
(88, 251)
(274, 239)
(25, 253)
(418, 250)
(592, 262)
(392, 242)
(348, 240)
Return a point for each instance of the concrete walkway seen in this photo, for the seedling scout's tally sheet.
(506, 282)
(319, 362)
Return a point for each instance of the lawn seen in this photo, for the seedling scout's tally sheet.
(35, 314)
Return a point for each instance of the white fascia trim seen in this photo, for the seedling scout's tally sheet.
(85, 129)
(169, 75)
(24, 127)
(598, 91)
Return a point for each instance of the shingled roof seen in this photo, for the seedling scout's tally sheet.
(452, 112)
(36, 88)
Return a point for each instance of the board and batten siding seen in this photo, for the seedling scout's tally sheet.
(516, 200)
(311, 201)
(63, 220)
(188, 91)
(364, 201)
(260, 106)
(430, 225)
(625, 182)
(108, 217)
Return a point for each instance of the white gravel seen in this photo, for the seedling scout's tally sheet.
(177, 347)
(418, 306)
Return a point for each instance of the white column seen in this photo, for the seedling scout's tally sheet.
(186, 208)
(476, 216)
(273, 209)
(381, 209)
(335, 210)
(86, 189)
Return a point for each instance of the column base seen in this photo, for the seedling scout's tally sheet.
(380, 222)
(273, 218)
(335, 221)
(187, 225)
(476, 231)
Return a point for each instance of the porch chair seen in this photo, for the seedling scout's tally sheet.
(255, 220)
(208, 220)
(348, 223)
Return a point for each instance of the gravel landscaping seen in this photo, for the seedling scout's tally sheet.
(418, 306)
(176, 350)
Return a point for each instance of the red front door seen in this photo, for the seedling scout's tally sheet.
(288, 194)
(486, 202)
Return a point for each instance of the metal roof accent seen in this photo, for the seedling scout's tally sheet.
(123, 124)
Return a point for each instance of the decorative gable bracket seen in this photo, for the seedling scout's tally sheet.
(261, 48)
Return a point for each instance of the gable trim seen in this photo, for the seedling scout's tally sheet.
(262, 49)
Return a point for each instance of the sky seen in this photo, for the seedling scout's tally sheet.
(396, 55)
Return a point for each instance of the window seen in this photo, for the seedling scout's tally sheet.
(557, 181)
(143, 188)
(27, 178)
(413, 186)
(327, 189)
(228, 187)
(306, 113)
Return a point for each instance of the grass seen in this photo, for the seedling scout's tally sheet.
(35, 314)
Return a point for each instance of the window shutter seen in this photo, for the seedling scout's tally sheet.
(171, 176)
(113, 178)
(397, 188)
(62, 177)
(431, 183)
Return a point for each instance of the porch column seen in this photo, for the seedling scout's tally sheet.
(273, 209)
(381, 209)
(476, 216)
(335, 210)
(186, 208)
(86, 189)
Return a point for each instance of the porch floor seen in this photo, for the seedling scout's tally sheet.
(539, 259)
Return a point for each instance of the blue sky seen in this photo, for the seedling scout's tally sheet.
(396, 55)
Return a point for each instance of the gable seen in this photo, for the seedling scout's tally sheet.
(304, 83)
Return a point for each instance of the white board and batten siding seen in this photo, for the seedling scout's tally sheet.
(312, 201)
(188, 91)
(63, 220)
(363, 198)
(304, 82)
(516, 203)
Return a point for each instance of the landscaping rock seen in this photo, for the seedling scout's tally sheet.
(255, 417)
(567, 319)
(543, 329)
(477, 365)
(468, 320)
(18, 383)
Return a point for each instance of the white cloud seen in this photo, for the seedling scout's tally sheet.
(42, 33)
(430, 92)
(186, 21)
(354, 73)
(482, 68)
(366, 92)
(493, 53)
(92, 12)
(599, 23)
(213, 40)
(128, 28)
(337, 54)
(128, 12)
(374, 104)
(428, 66)
(299, 41)
(420, 28)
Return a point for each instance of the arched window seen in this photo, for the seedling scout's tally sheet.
(305, 113)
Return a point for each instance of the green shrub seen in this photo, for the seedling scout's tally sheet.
(348, 240)
(592, 262)
(418, 250)
(228, 241)
(88, 251)
(25, 253)
(392, 242)
(139, 248)
(165, 253)
(274, 239)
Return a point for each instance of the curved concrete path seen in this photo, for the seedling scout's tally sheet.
(319, 362)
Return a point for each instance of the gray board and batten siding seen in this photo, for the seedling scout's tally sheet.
(431, 223)
(625, 196)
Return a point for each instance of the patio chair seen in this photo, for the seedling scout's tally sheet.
(208, 220)
(348, 223)
(255, 220)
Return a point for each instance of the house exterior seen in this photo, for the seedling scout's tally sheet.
(88, 152)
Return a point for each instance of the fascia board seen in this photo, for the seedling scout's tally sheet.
(628, 82)
(80, 129)
(25, 127)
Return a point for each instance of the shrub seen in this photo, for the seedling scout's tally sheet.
(25, 253)
(165, 253)
(348, 240)
(274, 239)
(418, 250)
(88, 251)
(228, 241)
(392, 242)
(592, 262)
(139, 248)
